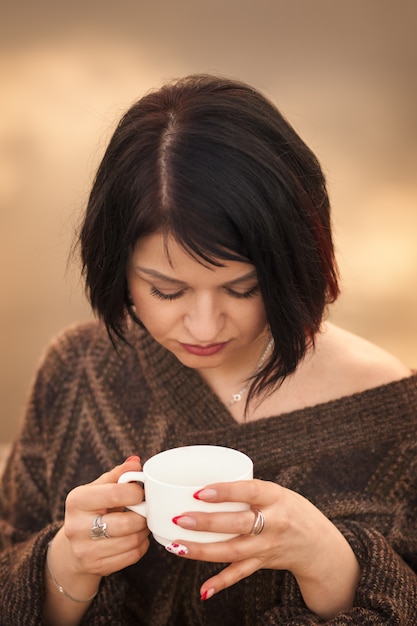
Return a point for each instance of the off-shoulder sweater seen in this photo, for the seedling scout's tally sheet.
(92, 406)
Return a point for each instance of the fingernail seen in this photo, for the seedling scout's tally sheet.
(208, 594)
(177, 548)
(205, 494)
(134, 457)
(186, 521)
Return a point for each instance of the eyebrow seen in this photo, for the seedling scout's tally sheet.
(155, 274)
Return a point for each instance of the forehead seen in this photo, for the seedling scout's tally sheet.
(164, 254)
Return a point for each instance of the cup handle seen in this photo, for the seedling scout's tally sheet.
(134, 477)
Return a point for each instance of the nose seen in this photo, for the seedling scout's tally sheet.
(204, 320)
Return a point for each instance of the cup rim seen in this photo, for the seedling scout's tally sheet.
(173, 451)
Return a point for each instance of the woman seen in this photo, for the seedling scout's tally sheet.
(208, 257)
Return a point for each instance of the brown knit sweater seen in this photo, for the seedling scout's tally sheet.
(355, 458)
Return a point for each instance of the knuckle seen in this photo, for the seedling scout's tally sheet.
(138, 551)
(133, 493)
(70, 528)
(130, 543)
(283, 522)
(233, 575)
(73, 498)
(81, 552)
(208, 522)
(256, 487)
(98, 569)
(242, 524)
(143, 548)
(124, 526)
(233, 553)
(113, 496)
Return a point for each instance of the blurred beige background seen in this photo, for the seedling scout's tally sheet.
(342, 71)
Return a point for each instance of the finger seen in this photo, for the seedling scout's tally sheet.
(99, 498)
(228, 577)
(124, 532)
(131, 464)
(255, 492)
(117, 525)
(120, 524)
(230, 551)
(112, 554)
(108, 546)
(119, 560)
(236, 523)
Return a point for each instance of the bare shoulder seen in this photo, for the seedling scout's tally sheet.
(362, 362)
(341, 364)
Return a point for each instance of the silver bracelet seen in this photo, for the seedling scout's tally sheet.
(60, 587)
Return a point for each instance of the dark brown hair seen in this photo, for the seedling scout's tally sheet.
(213, 163)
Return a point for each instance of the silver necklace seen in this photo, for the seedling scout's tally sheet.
(237, 397)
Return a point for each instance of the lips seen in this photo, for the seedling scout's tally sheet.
(213, 348)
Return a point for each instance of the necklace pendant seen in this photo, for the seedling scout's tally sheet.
(237, 397)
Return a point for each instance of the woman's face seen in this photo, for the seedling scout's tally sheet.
(207, 316)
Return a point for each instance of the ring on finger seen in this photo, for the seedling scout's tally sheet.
(259, 523)
(98, 528)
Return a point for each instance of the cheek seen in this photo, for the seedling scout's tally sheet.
(255, 318)
(157, 318)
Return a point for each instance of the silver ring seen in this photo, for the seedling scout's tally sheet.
(99, 529)
(259, 523)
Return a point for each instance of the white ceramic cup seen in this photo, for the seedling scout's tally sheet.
(171, 478)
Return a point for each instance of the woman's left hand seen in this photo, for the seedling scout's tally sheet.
(296, 537)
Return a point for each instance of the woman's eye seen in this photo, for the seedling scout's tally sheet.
(244, 294)
(240, 295)
(165, 296)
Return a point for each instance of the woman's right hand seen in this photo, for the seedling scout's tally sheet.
(128, 532)
(77, 561)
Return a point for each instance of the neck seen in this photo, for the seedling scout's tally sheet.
(239, 395)
(231, 381)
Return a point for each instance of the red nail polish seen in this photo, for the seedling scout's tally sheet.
(205, 494)
(134, 457)
(176, 518)
(207, 594)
